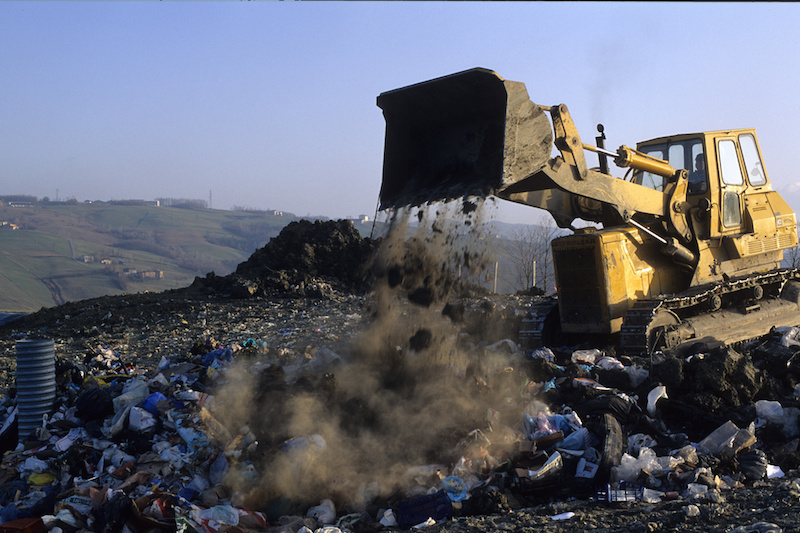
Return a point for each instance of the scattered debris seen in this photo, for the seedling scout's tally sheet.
(193, 410)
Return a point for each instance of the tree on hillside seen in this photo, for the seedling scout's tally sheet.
(791, 257)
(529, 253)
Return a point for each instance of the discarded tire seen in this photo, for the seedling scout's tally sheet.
(613, 442)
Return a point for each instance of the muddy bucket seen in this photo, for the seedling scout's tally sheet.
(467, 134)
(36, 383)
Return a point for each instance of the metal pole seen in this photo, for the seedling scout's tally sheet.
(495, 277)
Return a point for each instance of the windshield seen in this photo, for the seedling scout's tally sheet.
(687, 154)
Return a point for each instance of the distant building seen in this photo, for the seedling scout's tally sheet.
(20, 204)
(135, 202)
(88, 259)
(152, 274)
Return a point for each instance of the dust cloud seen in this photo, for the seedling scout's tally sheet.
(389, 417)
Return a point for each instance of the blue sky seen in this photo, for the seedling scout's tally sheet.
(272, 104)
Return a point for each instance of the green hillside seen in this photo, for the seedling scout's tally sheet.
(51, 253)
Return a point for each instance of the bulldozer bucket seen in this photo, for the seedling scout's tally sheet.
(467, 134)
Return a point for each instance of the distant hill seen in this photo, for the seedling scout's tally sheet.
(51, 253)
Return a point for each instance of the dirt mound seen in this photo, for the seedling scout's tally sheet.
(305, 259)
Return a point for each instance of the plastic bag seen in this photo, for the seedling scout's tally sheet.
(543, 353)
(222, 514)
(151, 402)
(696, 491)
(586, 356)
(94, 404)
(113, 514)
(653, 396)
(609, 363)
(576, 440)
(388, 519)
(770, 411)
(629, 466)
(135, 391)
(141, 420)
(688, 453)
(195, 439)
(638, 441)
(637, 375)
(753, 464)
(789, 336)
(218, 470)
(454, 488)
(32, 464)
(324, 513)
(225, 355)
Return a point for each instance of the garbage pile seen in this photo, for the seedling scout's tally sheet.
(433, 412)
(129, 451)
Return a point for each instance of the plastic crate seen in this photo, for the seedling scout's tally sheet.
(624, 491)
(417, 510)
(552, 487)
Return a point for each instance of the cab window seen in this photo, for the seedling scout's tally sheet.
(648, 179)
(676, 158)
(731, 210)
(698, 179)
(729, 163)
(731, 173)
(752, 162)
(680, 155)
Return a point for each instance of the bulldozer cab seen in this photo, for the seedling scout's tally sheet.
(734, 211)
(725, 168)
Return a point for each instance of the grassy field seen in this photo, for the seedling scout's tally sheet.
(63, 252)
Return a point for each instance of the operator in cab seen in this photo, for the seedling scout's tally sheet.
(697, 178)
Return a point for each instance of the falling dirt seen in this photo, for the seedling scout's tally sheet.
(405, 394)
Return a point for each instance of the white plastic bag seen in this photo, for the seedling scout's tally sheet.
(587, 357)
(653, 396)
(637, 375)
(629, 466)
(141, 420)
(324, 513)
(638, 441)
(134, 392)
(388, 519)
(770, 411)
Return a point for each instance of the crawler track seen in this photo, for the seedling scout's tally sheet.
(732, 312)
(735, 311)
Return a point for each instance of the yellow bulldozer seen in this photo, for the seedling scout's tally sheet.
(691, 237)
